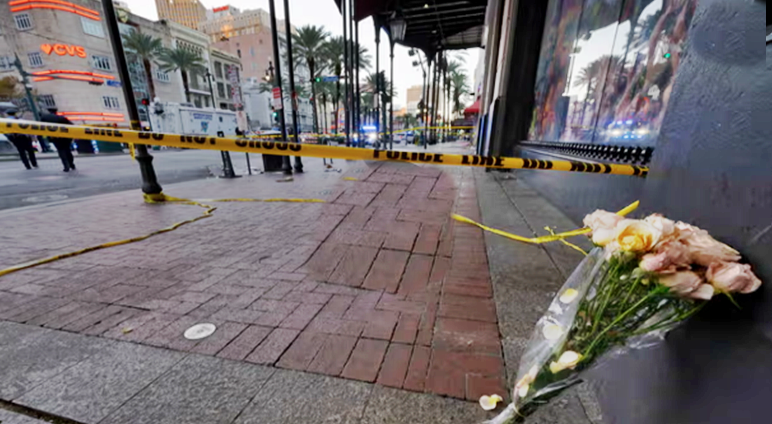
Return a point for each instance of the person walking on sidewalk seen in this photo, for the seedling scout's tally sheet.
(63, 145)
(23, 143)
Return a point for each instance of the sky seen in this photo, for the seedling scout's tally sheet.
(325, 13)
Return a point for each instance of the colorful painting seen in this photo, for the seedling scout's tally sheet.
(607, 69)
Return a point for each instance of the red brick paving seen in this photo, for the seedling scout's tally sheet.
(378, 285)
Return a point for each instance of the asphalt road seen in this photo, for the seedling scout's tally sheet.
(102, 174)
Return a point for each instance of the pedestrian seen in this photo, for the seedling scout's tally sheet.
(23, 143)
(63, 145)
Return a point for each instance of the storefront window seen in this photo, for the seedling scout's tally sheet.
(606, 69)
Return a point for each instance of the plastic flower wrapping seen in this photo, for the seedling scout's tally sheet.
(642, 279)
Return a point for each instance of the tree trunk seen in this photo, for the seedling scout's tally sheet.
(313, 94)
(185, 85)
(150, 83)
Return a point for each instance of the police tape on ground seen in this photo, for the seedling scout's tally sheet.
(310, 150)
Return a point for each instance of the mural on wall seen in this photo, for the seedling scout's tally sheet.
(606, 69)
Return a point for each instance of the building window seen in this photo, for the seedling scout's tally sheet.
(220, 90)
(162, 76)
(238, 52)
(35, 60)
(228, 90)
(218, 69)
(101, 62)
(111, 102)
(607, 79)
(47, 100)
(92, 27)
(6, 63)
(260, 41)
(23, 21)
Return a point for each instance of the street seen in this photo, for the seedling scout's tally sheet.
(101, 174)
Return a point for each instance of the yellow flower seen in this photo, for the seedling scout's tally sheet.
(568, 296)
(489, 402)
(523, 385)
(634, 235)
(552, 331)
(568, 360)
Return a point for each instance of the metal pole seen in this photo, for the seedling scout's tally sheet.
(285, 167)
(377, 96)
(30, 99)
(426, 101)
(149, 181)
(226, 156)
(358, 98)
(391, 97)
(347, 85)
(294, 95)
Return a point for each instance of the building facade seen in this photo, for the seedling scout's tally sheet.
(414, 96)
(225, 77)
(247, 35)
(185, 12)
(68, 57)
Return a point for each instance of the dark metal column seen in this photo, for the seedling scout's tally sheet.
(429, 62)
(149, 181)
(377, 94)
(391, 95)
(293, 94)
(357, 99)
(286, 167)
(347, 82)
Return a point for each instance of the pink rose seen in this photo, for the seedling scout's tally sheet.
(602, 224)
(667, 258)
(703, 292)
(732, 277)
(704, 249)
(681, 283)
(665, 226)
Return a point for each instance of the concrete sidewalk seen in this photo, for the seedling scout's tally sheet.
(313, 302)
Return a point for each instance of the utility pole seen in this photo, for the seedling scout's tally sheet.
(286, 167)
(149, 181)
(293, 94)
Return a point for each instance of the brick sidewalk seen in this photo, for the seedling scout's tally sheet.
(377, 285)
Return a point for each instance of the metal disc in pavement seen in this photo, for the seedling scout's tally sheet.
(199, 331)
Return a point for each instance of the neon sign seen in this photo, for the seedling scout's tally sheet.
(22, 5)
(220, 9)
(63, 49)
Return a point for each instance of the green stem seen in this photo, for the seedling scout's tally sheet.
(655, 292)
(630, 292)
(662, 324)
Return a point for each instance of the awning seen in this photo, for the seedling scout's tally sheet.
(474, 109)
(430, 25)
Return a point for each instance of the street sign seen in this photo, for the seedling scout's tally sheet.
(277, 98)
(333, 78)
(113, 83)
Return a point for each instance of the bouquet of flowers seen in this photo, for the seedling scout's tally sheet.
(643, 278)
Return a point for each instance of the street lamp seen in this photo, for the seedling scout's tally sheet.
(398, 28)
(209, 77)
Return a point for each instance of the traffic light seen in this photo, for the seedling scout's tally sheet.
(275, 116)
(318, 79)
(666, 55)
(145, 101)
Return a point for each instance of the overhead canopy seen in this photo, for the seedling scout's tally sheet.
(431, 25)
(473, 109)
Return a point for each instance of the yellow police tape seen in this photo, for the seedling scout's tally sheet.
(152, 198)
(383, 132)
(543, 239)
(312, 150)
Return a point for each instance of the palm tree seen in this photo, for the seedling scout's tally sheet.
(308, 43)
(459, 87)
(333, 54)
(183, 60)
(325, 91)
(146, 48)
